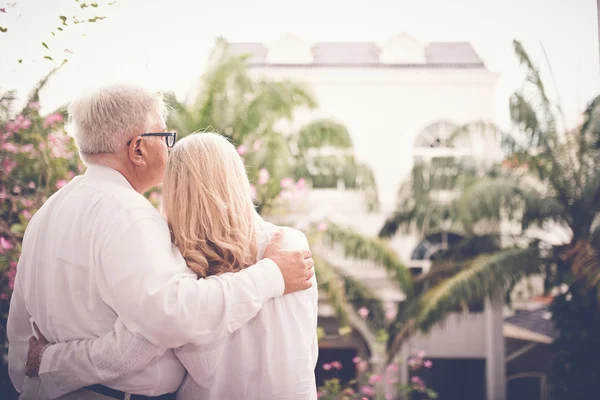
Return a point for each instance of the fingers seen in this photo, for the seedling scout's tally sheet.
(306, 285)
(40, 336)
(37, 330)
(32, 341)
(310, 273)
(309, 263)
(276, 241)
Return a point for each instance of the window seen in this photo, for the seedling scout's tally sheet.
(439, 140)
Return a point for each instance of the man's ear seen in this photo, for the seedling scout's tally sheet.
(137, 152)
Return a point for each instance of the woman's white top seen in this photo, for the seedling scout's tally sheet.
(272, 357)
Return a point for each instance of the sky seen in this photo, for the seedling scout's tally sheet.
(164, 44)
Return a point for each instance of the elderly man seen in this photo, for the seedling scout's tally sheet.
(97, 256)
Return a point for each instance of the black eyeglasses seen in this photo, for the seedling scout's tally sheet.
(170, 137)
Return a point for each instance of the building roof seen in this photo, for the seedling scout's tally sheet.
(366, 54)
(532, 325)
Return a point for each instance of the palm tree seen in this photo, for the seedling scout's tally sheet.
(250, 111)
(550, 179)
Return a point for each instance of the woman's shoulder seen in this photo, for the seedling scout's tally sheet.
(292, 238)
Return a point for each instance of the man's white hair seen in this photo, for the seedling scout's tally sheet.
(107, 118)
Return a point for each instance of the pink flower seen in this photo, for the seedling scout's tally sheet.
(428, 364)
(8, 165)
(301, 184)
(242, 149)
(34, 105)
(368, 390)
(3, 10)
(154, 196)
(418, 383)
(322, 227)
(27, 215)
(3, 296)
(263, 176)
(363, 312)
(286, 195)
(27, 202)
(374, 379)
(27, 148)
(392, 368)
(52, 120)
(287, 183)
(71, 174)
(253, 192)
(16, 189)
(336, 365)
(390, 315)
(362, 366)
(61, 183)
(421, 354)
(22, 122)
(257, 145)
(356, 360)
(10, 148)
(326, 366)
(5, 244)
(58, 144)
(320, 394)
(31, 185)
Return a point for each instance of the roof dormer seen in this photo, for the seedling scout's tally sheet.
(402, 49)
(289, 49)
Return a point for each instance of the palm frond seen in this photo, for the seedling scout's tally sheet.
(333, 286)
(359, 247)
(323, 133)
(495, 199)
(584, 259)
(359, 295)
(485, 275)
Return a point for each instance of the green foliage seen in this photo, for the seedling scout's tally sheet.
(575, 374)
(252, 112)
(550, 178)
(36, 159)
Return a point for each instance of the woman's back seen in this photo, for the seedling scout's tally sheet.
(272, 357)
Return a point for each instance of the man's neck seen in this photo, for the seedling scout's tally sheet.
(117, 165)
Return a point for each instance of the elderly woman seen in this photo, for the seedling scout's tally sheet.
(207, 203)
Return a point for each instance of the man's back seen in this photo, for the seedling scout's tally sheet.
(61, 276)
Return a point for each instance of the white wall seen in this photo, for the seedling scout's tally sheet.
(385, 108)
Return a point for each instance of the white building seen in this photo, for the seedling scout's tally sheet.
(399, 100)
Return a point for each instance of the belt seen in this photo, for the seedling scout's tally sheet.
(117, 394)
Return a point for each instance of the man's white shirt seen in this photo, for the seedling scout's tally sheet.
(97, 263)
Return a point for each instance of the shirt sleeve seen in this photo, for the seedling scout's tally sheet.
(19, 330)
(69, 366)
(144, 278)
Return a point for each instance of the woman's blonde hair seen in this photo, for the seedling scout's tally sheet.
(208, 205)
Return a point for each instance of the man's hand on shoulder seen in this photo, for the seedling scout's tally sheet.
(296, 266)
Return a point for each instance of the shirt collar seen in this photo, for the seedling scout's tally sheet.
(107, 173)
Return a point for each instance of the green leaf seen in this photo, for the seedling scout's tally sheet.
(60, 29)
(3, 29)
(17, 228)
(64, 20)
(344, 330)
(45, 45)
(48, 58)
(20, 60)
(52, 33)
(95, 5)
